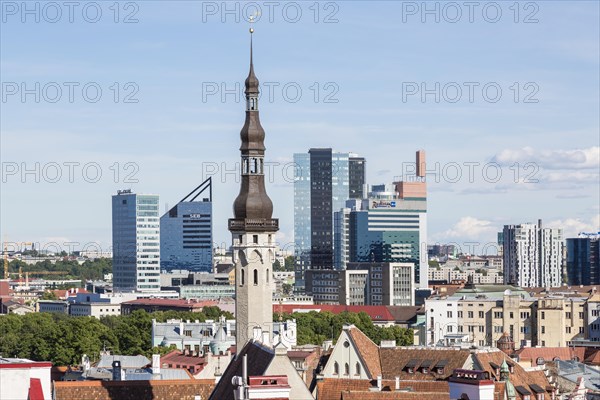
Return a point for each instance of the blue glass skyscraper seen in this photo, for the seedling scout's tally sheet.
(583, 261)
(322, 183)
(186, 233)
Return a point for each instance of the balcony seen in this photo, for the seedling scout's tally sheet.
(253, 225)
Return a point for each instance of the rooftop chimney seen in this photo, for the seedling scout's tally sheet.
(156, 364)
(397, 383)
(379, 382)
(116, 365)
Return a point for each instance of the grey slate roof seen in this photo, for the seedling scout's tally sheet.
(126, 361)
(259, 358)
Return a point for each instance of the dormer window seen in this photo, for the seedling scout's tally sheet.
(540, 361)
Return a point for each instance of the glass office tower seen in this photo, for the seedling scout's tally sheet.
(583, 261)
(186, 232)
(136, 242)
(391, 229)
(322, 184)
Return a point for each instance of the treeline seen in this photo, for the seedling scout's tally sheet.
(63, 339)
(88, 270)
(316, 327)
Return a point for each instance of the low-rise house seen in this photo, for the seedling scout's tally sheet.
(22, 379)
(261, 361)
(194, 336)
(356, 357)
(14, 306)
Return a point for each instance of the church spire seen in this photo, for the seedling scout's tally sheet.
(252, 203)
(251, 80)
(253, 229)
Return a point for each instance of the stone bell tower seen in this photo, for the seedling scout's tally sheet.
(253, 229)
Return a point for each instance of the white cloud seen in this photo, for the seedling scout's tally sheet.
(471, 228)
(551, 159)
(573, 226)
(570, 176)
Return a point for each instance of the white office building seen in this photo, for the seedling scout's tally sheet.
(136, 242)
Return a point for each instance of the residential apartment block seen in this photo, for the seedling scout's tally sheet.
(480, 315)
(533, 256)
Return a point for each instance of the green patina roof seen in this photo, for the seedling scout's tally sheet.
(490, 291)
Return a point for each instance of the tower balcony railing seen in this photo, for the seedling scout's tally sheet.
(249, 224)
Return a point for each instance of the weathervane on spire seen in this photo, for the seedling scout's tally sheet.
(251, 19)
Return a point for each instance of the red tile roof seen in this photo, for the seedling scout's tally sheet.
(176, 357)
(550, 353)
(519, 377)
(133, 390)
(337, 389)
(394, 361)
(367, 350)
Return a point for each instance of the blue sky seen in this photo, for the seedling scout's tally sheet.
(361, 75)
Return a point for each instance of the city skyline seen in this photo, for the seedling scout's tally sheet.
(178, 132)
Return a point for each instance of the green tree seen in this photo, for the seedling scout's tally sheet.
(288, 264)
(288, 289)
(49, 295)
(314, 327)
(277, 266)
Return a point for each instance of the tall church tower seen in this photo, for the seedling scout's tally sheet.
(253, 229)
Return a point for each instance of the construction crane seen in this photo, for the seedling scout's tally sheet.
(5, 255)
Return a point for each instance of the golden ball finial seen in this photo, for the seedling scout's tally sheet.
(251, 30)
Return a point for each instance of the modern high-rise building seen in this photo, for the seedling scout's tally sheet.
(341, 233)
(391, 227)
(323, 181)
(253, 230)
(369, 283)
(136, 242)
(532, 255)
(186, 232)
(357, 170)
(583, 260)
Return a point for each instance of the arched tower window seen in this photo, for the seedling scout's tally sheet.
(346, 369)
(242, 280)
(336, 368)
(252, 104)
(357, 369)
(255, 276)
(267, 276)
